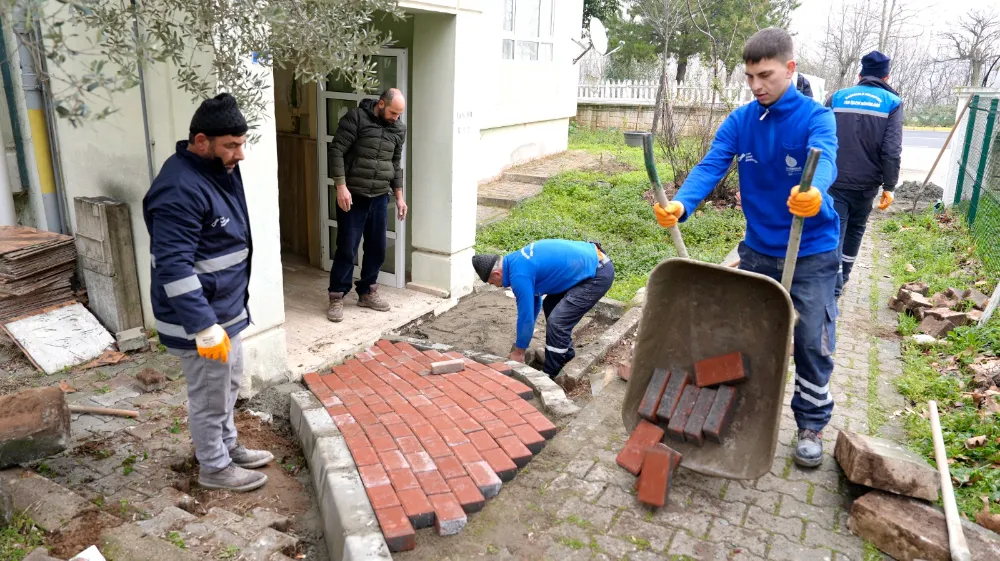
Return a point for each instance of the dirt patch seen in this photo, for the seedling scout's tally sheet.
(487, 322)
(80, 534)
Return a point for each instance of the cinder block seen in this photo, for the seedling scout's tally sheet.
(729, 368)
(131, 340)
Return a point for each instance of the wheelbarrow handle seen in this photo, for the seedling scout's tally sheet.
(795, 236)
(661, 197)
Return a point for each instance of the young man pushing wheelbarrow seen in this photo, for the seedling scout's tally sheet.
(770, 138)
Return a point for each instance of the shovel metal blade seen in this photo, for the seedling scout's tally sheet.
(695, 311)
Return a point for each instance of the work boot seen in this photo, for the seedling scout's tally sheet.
(809, 450)
(232, 478)
(249, 459)
(373, 301)
(335, 312)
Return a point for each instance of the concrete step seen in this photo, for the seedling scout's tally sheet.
(486, 215)
(507, 194)
(525, 177)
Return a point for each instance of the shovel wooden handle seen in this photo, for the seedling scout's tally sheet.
(795, 236)
(103, 411)
(956, 538)
(661, 197)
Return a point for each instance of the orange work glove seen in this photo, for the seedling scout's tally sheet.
(887, 198)
(668, 217)
(213, 344)
(807, 204)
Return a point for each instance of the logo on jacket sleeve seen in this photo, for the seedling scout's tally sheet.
(746, 157)
(792, 165)
(220, 221)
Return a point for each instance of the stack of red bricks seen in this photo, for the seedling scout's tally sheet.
(687, 409)
(430, 448)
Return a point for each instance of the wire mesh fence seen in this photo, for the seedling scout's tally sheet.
(978, 181)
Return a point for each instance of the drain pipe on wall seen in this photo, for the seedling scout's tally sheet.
(55, 153)
(8, 213)
(40, 140)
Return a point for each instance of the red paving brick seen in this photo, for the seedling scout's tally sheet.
(467, 493)
(432, 482)
(417, 508)
(654, 391)
(732, 367)
(450, 467)
(430, 448)
(720, 414)
(675, 429)
(658, 466)
(646, 434)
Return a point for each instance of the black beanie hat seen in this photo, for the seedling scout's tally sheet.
(219, 116)
(483, 264)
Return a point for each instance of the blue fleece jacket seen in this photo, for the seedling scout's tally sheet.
(545, 267)
(770, 145)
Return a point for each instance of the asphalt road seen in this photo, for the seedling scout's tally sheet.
(924, 139)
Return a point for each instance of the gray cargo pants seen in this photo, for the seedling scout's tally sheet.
(212, 388)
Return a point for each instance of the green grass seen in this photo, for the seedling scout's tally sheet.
(610, 209)
(937, 246)
(20, 538)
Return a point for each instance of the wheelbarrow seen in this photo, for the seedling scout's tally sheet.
(697, 310)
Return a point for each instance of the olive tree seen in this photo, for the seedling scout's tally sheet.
(88, 50)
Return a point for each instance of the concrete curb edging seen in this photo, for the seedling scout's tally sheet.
(351, 531)
(578, 367)
(552, 396)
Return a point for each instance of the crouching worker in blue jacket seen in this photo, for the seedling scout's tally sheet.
(200, 246)
(565, 279)
(770, 138)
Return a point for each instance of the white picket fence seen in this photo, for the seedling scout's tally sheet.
(643, 92)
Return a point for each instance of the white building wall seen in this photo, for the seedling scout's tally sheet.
(108, 158)
(525, 106)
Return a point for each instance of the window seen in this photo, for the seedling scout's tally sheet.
(528, 29)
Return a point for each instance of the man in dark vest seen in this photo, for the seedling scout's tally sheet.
(200, 251)
(365, 164)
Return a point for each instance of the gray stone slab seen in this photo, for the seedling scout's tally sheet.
(906, 528)
(315, 424)
(170, 518)
(131, 340)
(301, 401)
(330, 453)
(128, 542)
(49, 504)
(886, 465)
(346, 512)
(365, 547)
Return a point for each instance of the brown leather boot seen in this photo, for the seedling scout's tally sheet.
(335, 312)
(373, 301)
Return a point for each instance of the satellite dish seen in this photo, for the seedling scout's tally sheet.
(598, 40)
(598, 36)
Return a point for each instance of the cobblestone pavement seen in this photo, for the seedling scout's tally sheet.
(574, 502)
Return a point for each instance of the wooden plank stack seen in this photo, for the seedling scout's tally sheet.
(36, 270)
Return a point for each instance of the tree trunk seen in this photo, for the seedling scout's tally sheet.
(682, 66)
(660, 92)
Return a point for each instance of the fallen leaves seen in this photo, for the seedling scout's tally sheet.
(986, 519)
(976, 441)
(65, 387)
(108, 358)
(910, 268)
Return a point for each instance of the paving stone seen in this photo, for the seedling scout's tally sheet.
(784, 550)
(587, 490)
(886, 465)
(599, 517)
(851, 545)
(682, 518)
(121, 393)
(733, 537)
(616, 497)
(737, 492)
(613, 475)
(49, 504)
(797, 489)
(170, 518)
(792, 507)
(757, 519)
(699, 501)
(579, 468)
(684, 544)
(631, 525)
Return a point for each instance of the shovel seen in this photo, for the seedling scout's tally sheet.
(697, 310)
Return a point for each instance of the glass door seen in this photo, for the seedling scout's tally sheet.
(336, 98)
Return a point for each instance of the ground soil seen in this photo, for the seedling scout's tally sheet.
(487, 322)
(85, 532)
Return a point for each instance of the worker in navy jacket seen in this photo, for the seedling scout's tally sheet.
(870, 130)
(562, 278)
(770, 138)
(200, 251)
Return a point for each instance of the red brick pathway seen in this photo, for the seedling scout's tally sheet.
(430, 448)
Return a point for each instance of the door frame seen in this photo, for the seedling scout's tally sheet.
(323, 138)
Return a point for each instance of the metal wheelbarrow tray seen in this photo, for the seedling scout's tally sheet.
(715, 310)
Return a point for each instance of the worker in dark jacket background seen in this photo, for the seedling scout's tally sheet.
(870, 133)
(200, 250)
(365, 160)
